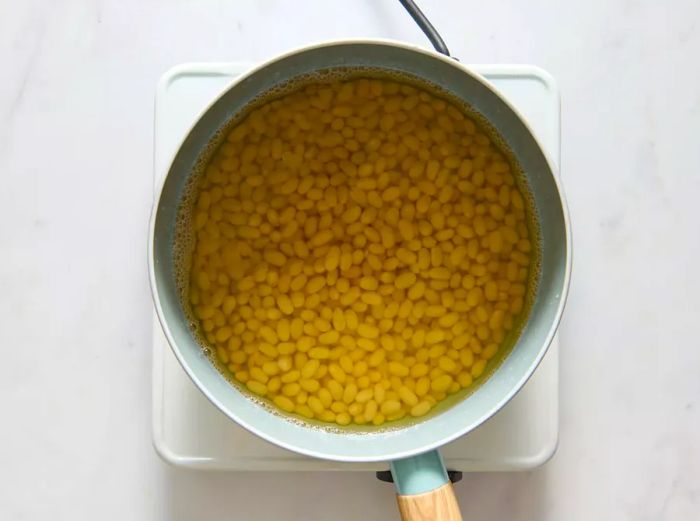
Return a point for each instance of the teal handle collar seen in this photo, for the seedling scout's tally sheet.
(419, 474)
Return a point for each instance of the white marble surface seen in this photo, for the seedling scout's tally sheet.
(75, 169)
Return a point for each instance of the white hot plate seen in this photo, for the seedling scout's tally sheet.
(189, 431)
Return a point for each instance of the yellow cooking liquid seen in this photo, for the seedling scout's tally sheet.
(361, 251)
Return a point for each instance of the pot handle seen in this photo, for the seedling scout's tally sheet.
(423, 490)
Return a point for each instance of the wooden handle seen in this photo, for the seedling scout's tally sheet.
(437, 505)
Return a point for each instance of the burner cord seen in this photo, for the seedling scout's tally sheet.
(425, 26)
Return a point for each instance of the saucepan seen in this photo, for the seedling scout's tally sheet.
(423, 488)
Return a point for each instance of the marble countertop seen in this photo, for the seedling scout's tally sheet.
(76, 123)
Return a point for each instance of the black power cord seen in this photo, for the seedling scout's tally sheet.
(425, 26)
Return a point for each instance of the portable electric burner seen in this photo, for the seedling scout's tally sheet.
(189, 431)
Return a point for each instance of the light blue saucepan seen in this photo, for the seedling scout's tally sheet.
(412, 450)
